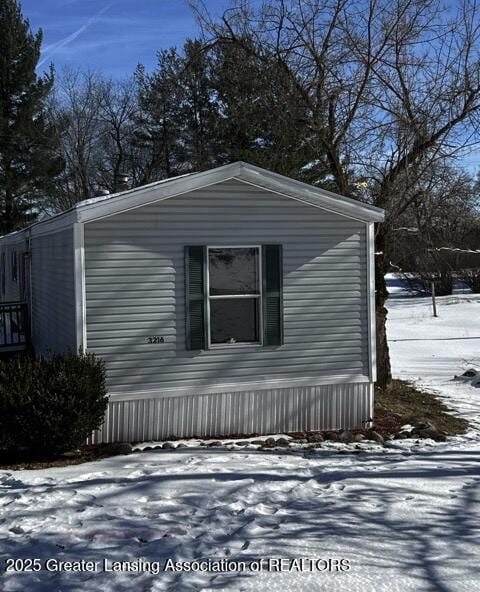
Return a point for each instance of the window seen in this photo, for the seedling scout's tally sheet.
(14, 269)
(234, 295)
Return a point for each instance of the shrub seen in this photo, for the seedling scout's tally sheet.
(51, 404)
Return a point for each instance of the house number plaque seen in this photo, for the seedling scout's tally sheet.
(155, 339)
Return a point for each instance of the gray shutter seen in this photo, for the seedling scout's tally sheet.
(272, 267)
(195, 297)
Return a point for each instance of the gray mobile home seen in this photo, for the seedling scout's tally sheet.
(231, 301)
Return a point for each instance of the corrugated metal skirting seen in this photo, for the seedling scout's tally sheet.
(326, 407)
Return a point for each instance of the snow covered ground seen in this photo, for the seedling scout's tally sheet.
(431, 351)
(403, 517)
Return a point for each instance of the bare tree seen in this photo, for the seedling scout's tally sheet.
(95, 120)
(432, 237)
(116, 119)
(427, 95)
(75, 109)
(391, 87)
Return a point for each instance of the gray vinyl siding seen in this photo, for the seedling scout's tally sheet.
(134, 280)
(53, 293)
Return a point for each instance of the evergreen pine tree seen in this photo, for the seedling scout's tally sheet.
(263, 120)
(28, 160)
(199, 109)
(158, 134)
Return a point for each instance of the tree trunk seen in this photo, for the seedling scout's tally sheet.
(384, 371)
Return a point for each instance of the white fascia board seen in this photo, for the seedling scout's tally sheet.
(241, 171)
(311, 195)
(309, 202)
(129, 200)
(14, 238)
(100, 208)
(50, 226)
(54, 224)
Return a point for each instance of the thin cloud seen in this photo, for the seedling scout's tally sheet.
(52, 49)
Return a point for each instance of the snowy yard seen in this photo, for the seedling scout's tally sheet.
(405, 516)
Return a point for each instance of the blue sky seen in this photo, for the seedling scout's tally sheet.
(111, 36)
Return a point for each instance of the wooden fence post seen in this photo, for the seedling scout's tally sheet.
(434, 303)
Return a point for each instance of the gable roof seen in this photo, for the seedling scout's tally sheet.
(108, 205)
(98, 207)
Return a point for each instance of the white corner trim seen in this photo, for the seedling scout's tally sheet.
(80, 300)
(372, 343)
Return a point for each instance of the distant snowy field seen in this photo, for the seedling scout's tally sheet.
(432, 350)
(406, 517)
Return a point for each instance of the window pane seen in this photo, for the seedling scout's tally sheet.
(234, 321)
(233, 271)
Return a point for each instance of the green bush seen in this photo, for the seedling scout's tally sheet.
(51, 404)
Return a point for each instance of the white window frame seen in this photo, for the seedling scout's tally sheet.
(258, 296)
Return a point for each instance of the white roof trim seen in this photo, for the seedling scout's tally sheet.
(108, 205)
(142, 196)
(109, 196)
(310, 195)
(14, 238)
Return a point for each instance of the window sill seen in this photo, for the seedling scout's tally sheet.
(234, 345)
